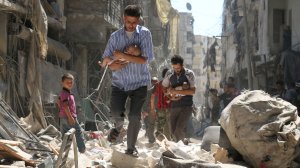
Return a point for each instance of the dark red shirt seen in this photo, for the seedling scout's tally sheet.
(66, 96)
(161, 99)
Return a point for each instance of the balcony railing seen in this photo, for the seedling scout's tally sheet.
(110, 10)
(113, 12)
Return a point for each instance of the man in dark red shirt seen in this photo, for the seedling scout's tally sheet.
(161, 104)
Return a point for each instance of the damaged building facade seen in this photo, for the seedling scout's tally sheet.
(260, 38)
(206, 66)
(187, 39)
(41, 40)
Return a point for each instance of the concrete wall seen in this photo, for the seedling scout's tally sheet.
(295, 25)
(3, 34)
(231, 53)
(274, 4)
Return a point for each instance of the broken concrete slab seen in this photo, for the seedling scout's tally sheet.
(221, 155)
(215, 135)
(167, 162)
(262, 128)
(122, 160)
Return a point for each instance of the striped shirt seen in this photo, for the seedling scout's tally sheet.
(133, 75)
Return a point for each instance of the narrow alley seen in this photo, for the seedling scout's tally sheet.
(149, 83)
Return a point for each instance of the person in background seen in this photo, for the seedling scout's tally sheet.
(180, 109)
(291, 94)
(161, 104)
(215, 106)
(297, 102)
(149, 114)
(67, 111)
(280, 89)
(230, 92)
(231, 80)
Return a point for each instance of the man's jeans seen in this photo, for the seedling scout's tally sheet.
(118, 100)
(65, 127)
(179, 117)
(150, 126)
(163, 122)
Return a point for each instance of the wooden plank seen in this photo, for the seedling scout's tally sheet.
(53, 149)
(17, 153)
(65, 148)
(12, 143)
(5, 5)
(75, 152)
(7, 166)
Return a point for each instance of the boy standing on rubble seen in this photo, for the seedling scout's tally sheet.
(67, 111)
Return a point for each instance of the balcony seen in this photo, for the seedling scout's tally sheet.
(109, 10)
(88, 20)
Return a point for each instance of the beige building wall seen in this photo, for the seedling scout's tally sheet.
(186, 38)
(201, 47)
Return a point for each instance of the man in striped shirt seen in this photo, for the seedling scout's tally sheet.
(130, 80)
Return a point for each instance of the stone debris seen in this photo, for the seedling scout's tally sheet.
(263, 129)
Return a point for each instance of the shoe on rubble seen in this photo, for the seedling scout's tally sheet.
(132, 152)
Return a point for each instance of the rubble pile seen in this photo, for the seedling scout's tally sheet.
(20, 148)
(263, 129)
(18, 144)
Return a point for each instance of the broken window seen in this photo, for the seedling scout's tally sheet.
(278, 20)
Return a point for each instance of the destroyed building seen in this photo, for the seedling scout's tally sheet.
(255, 36)
(206, 66)
(71, 36)
(43, 39)
(187, 39)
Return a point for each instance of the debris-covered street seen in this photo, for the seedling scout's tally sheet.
(149, 83)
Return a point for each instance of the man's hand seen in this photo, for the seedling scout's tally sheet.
(105, 61)
(171, 91)
(117, 65)
(119, 55)
(71, 121)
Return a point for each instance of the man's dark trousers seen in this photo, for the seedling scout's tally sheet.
(118, 100)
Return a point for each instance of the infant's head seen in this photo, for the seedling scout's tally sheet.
(133, 50)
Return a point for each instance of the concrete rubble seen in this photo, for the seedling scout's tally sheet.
(164, 153)
(263, 129)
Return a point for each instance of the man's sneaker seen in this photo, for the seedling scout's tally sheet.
(132, 152)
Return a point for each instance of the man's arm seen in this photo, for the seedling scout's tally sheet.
(190, 91)
(113, 65)
(130, 58)
(146, 49)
